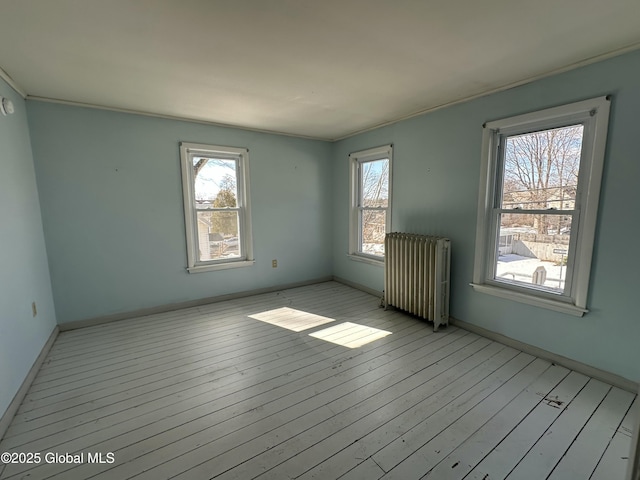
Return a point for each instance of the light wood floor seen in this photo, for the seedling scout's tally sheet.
(243, 389)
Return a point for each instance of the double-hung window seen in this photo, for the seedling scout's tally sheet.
(215, 183)
(370, 214)
(539, 192)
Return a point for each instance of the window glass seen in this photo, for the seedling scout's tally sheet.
(539, 182)
(375, 183)
(216, 203)
(374, 200)
(541, 169)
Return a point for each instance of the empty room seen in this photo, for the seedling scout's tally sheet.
(290, 239)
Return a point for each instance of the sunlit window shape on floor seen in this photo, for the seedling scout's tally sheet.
(292, 319)
(351, 335)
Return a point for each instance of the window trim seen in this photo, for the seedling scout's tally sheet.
(594, 115)
(241, 155)
(356, 159)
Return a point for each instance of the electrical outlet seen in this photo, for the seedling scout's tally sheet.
(274, 263)
(34, 310)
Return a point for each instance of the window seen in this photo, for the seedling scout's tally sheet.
(539, 190)
(215, 183)
(370, 215)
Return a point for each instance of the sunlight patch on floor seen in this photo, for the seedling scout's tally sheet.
(291, 319)
(350, 335)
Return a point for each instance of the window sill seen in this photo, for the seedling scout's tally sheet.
(369, 260)
(220, 266)
(554, 305)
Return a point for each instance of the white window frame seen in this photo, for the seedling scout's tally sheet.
(594, 115)
(356, 159)
(241, 155)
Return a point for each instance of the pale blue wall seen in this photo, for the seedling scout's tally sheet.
(435, 190)
(112, 211)
(24, 274)
(111, 194)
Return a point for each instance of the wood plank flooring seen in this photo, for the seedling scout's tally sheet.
(316, 382)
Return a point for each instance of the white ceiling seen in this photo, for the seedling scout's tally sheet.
(317, 68)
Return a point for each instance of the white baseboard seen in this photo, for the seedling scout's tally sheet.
(607, 377)
(358, 286)
(178, 306)
(8, 415)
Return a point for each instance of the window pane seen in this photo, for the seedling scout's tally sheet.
(215, 182)
(218, 235)
(541, 169)
(375, 183)
(373, 224)
(531, 258)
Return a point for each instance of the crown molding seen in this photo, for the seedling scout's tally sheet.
(5, 76)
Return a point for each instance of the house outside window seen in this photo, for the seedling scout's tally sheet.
(215, 183)
(538, 202)
(370, 212)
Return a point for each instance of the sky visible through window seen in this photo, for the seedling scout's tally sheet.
(375, 183)
(540, 175)
(210, 176)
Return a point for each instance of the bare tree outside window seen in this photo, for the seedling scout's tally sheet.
(541, 173)
(216, 206)
(374, 201)
(539, 185)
